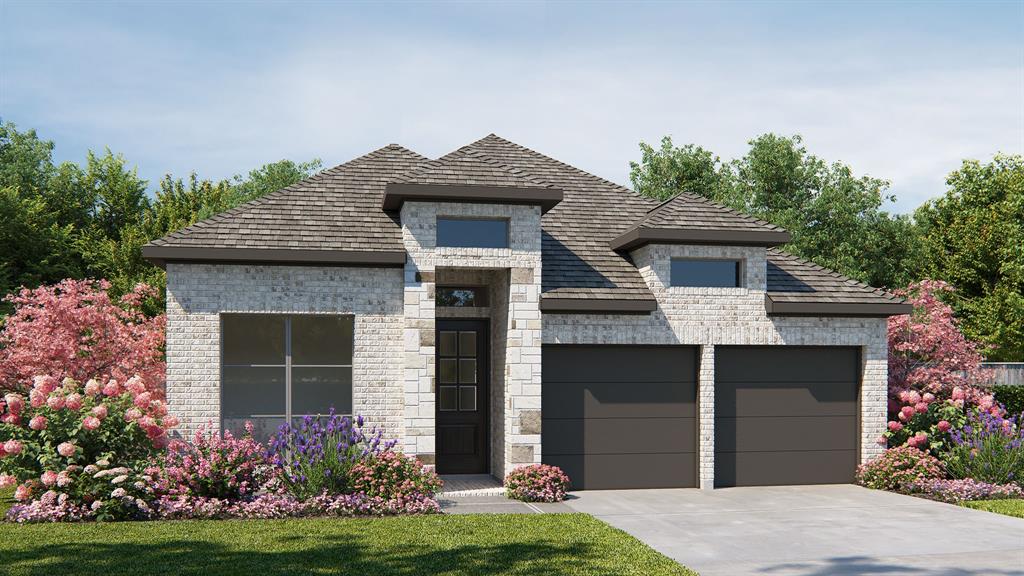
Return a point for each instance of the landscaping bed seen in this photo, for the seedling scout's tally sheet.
(408, 545)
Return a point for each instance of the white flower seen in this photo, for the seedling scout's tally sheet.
(119, 479)
(118, 493)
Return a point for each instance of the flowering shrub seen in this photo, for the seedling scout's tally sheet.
(955, 491)
(213, 465)
(46, 442)
(394, 476)
(988, 448)
(317, 456)
(72, 329)
(537, 483)
(897, 467)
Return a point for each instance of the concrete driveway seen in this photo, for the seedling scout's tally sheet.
(812, 530)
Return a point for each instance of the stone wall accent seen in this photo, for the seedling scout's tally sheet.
(198, 293)
(706, 417)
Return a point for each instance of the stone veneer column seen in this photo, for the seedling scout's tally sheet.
(419, 363)
(523, 370)
(706, 417)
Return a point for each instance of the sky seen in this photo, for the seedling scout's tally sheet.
(900, 91)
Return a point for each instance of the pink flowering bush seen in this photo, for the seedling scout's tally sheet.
(213, 465)
(73, 329)
(394, 476)
(537, 483)
(899, 466)
(965, 490)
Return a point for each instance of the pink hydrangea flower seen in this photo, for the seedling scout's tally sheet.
(112, 388)
(36, 399)
(37, 423)
(13, 447)
(99, 411)
(928, 397)
(90, 423)
(135, 385)
(93, 388)
(67, 449)
(55, 402)
(63, 479)
(921, 407)
(6, 481)
(132, 414)
(23, 492)
(49, 478)
(895, 426)
(15, 403)
(73, 402)
(943, 426)
(45, 384)
(142, 400)
(171, 421)
(906, 413)
(12, 419)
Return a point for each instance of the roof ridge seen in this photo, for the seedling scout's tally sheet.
(881, 292)
(481, 155)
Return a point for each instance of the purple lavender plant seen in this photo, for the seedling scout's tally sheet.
(988, 448)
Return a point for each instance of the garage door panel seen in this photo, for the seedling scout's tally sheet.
(619, 399)
(785, 434)
(784, 364)
(619, 436)
(614, 364)
(778, 468)
(792, 399)
(622, 471)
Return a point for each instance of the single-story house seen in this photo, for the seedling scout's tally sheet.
(496, 307)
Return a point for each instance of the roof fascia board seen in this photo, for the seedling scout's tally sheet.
(878, 310)
(640, 236)
(160, 255)
(597, 306)
(396, 194)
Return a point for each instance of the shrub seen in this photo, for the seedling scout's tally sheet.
(956, 491)
(317, 457)
(1011, 397)
(393, 476)
(73, 329)
(537, 483)
(213, 465)
(988, 448)
(899, 466)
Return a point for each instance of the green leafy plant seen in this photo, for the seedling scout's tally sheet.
(899, 466)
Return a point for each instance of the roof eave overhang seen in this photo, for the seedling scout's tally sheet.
(559, 305)
(640, 236)
(160, 255)
(396, 194)
(861, 309)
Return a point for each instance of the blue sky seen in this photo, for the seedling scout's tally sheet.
(901, 91)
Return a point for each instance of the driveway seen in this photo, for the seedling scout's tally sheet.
(812, 530)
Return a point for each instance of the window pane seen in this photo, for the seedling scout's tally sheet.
(322, 340)
(253, 338)
(446, 344)
(467, 398)
(448, 370)
(263, 428)
(706, 273)
(448, 398)
(467, 371)
(461, 297)
(472, 233)
(317, 390)
(248, 392)
(467, 343)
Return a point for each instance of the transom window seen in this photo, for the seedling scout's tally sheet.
(706, 273)
(461, 297)
(472, 232)
(276, 368)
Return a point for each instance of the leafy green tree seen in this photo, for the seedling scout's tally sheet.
(835, 217)
(974, 239)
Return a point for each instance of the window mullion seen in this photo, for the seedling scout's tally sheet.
(288, 369)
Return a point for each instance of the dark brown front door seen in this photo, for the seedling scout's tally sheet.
(461, 396)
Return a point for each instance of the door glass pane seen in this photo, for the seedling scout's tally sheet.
(446, 343)
(322, 340)
(467, 343)
(467, 398)
(317, 390)
(448, 369)
(467, 371)
(253, 338)
(252, 392)
(448, 398)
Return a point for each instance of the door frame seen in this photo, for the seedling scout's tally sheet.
(483, 326)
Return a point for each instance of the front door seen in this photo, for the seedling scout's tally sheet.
(461, 396)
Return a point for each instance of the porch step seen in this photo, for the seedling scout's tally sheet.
(471, 485)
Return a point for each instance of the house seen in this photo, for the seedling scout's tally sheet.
(496, 307)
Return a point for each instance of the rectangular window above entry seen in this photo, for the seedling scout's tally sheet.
(472, 232)
(461, 297)
(699, 273)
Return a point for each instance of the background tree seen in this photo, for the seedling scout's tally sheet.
(973, 238)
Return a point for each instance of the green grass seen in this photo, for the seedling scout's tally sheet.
(471, 544)
(6, 500)
(1007, 507)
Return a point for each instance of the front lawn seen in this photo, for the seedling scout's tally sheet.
(6, 500)
(1008, 507)
(471, 544)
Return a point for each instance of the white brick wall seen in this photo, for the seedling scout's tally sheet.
(198, 293)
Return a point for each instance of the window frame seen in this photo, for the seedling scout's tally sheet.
(504, 219)
(288, 364)
(480, 293)
(740, 271)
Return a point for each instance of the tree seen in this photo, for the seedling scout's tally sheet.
(834, 216)
(973, 238)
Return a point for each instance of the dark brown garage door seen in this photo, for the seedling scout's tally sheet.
(621, 416)
(785, 415)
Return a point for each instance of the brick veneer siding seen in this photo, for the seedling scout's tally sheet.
(198, 293)
(730, 316)
(520, 385)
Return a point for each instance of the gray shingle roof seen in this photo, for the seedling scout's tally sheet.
(470, 168)
(691, 211)
(792, 279)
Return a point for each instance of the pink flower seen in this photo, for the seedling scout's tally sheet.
(37, 423)
(55, 402)
(63, 479)
(15, 403)
(13, 447)
(132, 414)
(895, 426)
(92, 388)
(943, 426)
(99, 411)
(921, 407)
(906, 413)
(49, 478)
(73, 402)
(135, 385)
(913, 397)
(170, 421)
(45, 384)
(66, 449)
(12, 419)
(112, 388)
(6, 481)
(90, 423)
(22, 492)
(36, 399)
(142, 400)
(928, 397)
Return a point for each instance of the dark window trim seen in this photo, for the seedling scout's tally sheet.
(508, 229)
(741, 270)
(396, 194)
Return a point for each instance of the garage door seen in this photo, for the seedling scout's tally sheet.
(785, 415)
(621, 416)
